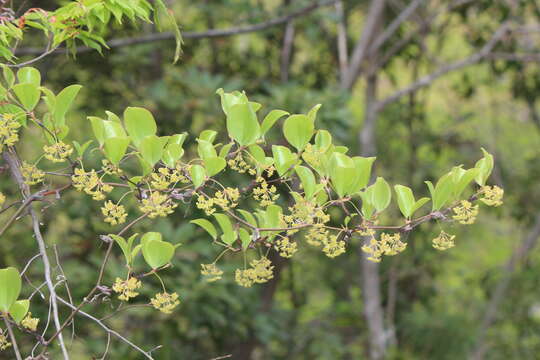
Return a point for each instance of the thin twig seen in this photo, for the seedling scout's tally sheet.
(12, 338)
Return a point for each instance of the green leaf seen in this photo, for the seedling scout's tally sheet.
(206, 225)
(242, 124)
(298, 130)
(405, 200)
(81, 148)
(245, 238)
(152, 235)
(381, 194)
(270, 120)
(198, 175)
(258, 153)
(485, 166)
(9, 77)
(417, 205)
(323, 140)
(208, 135)
(19, 309)
(462, 179)
(225, 150)
(63, 101)
(29, 75)
(312, 113)
(284, 159)
(214, 165)
(157, 253)
(367, 205)
(139, 124)
(19, 113)
(151, 148)
(28, 94)
(442, 192)
(171, 154)
(126, 249)
(308, 181)
(229, 236)
(250, 219)
(115, 148)
(10, 287)
(205, 149)
(362, 167)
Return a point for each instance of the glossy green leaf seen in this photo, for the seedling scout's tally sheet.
(405, 199)
(139, 124)
(242, 124)
(250, 219)
(151, 148)
(381, 194)
(29, 75)
(206, 225)
(205, 149)
(198, 175)
(442, 192)
(284, 159)
(214, 165)
(298, 130)
(19, 309)
(10, 287)
(245, 238)
(308, 181)
(270, 120)
(63, 102)
(485, 166)
(28, 94)
(171, 154)
(157, 253)
(115, 148)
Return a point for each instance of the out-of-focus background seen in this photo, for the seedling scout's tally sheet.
(469, 76)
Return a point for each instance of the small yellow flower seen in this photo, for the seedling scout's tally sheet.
(126, 288)
(157, 204)
(211, 272)
(392, 244)
(239, 164)
(90, 183)
(4, 343)
(265, 194)
(165, 302)
(31, 174)
(29, 322)
(2, 199)
(286, 247)
(465, 212)
(109, 168)
(444, 241)
(374, 250)
(164, 177)
(58, 152)
(9, 130)
(333, 247)
(114, 214)
(492, 195)
(262, 270)
(317, 235)
(245, 277)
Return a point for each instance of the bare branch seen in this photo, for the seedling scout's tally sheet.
(428, 79)
(106, 328)
(360, 50)
(12, 338)
(116, 43)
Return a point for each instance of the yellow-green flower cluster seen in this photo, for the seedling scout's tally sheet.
(285, 247)
(4, 342)
(261, 271)
(126, 288)
(389, 244)
(306, 212)
(9, 130)
(211, 272)
(238, 164)
(109, 168)
(226, 199)
(2, 199)
(164, 177)
(444, 241)
(57, 152)
(90, 183)
(317, 235)
(333, 247)
(29, 322)
(114, 214)
(165, 302)
(465, 212)
(157, 204)
(31, 174)
(492, 195)
(265, 194)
